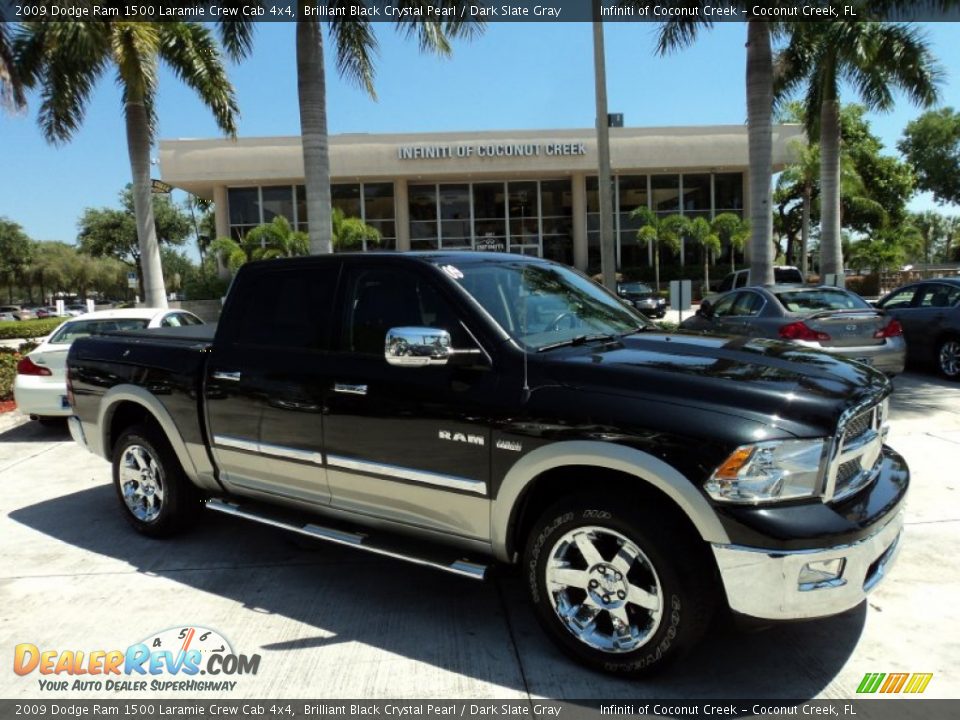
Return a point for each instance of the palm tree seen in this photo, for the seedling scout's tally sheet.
(699, 230)
(11, 89)
(875, 58)
(351, 233)
(667, 231)
(355, 45)
(681, 31)
(66, 59)
(731, 230)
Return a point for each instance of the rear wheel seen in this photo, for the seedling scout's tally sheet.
(619, 589)
(157, 497)
(948, 358)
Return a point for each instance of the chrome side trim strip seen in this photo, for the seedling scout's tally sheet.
(224, 375)
(350, 389)
(280, 451)
(428, 478)
(236, 443)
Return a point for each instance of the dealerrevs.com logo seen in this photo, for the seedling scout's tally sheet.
(188, 659)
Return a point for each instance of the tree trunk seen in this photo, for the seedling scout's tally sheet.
(138, 147)
(608, 253)
(656, 264)
(760, 138)
(312, 94)
(805, 229)
(831, 252)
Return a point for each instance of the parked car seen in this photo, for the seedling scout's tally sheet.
(637, 478)
(16, 312)
(76, 310)
(644, 298)
(823, 318)
(47, 312)
(40, 388)
(929, 312)
(782, 275)
(7, 316)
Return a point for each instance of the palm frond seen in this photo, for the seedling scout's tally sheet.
(65, 59)
(11, 85)
(356, 46)
(194, 56)
(236, 36)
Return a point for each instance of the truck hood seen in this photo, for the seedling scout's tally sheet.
(800, 391)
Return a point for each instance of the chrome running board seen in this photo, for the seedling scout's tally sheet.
(358, 541)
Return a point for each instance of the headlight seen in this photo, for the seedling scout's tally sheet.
(769, 472)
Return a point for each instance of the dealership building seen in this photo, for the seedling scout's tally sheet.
(531, 191)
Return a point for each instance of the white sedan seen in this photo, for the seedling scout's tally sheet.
(40, 389)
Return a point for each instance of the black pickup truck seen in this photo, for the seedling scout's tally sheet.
(453, 409)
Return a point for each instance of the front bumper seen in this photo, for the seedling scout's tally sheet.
(773, 585)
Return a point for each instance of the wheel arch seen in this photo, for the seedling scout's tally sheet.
(534, 473)
(126, 405)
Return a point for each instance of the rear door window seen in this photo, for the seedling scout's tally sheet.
(902, 298)
(284, 308)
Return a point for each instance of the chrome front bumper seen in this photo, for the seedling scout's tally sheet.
(777, 585)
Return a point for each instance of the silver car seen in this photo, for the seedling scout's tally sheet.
(824, 318)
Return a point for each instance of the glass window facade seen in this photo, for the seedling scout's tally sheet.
(531, 217)
(371, 202)
(689, 194)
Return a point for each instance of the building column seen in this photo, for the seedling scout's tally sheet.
(578, 183)
(401, 210)
(221, 216)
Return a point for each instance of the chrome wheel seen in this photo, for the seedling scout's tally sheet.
(604, 589)
(141, 483)
(949, 358)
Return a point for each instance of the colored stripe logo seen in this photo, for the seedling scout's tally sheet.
(913, 683)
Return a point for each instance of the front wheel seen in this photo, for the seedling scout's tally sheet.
(619, 589)
(948, 358)
(157, 497)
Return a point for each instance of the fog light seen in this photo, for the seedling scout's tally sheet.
(822, 574)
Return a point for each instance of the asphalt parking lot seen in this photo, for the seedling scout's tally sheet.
(331, 623)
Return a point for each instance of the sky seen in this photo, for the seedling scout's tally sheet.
(515, 76)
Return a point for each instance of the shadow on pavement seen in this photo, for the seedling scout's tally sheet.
(34, 431)
(920, 394)
(451, 622)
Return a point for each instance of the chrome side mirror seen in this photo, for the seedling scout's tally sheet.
(417, 346)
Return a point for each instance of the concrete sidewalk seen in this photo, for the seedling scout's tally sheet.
(330, 623)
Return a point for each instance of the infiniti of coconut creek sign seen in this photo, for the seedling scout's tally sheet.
(489, 150)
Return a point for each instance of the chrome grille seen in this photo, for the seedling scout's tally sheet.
(846, 472)
(858, 425)
(857, 452)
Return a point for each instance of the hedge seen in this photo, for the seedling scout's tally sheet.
(14, 329)
(8, 372)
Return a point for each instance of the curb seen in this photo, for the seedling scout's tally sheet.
(12, 419)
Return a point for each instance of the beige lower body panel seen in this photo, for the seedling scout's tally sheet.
(432, 508)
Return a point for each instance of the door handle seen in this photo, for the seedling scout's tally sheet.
(224, 375)
(349, 389)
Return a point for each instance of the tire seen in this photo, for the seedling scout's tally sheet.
(948, 357)
(574, 564)
(155, 494)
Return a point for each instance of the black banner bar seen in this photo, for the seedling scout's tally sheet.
(137, 709)
(474, 10)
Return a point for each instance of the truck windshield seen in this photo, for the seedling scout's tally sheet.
(545, 305)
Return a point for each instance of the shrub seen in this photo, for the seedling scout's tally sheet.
(26, 347)
(8, 373)
(13, 329)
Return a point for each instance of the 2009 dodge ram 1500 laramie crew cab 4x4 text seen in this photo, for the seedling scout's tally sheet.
(509, 408)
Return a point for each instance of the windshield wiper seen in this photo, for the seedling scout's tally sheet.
(579, 340)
